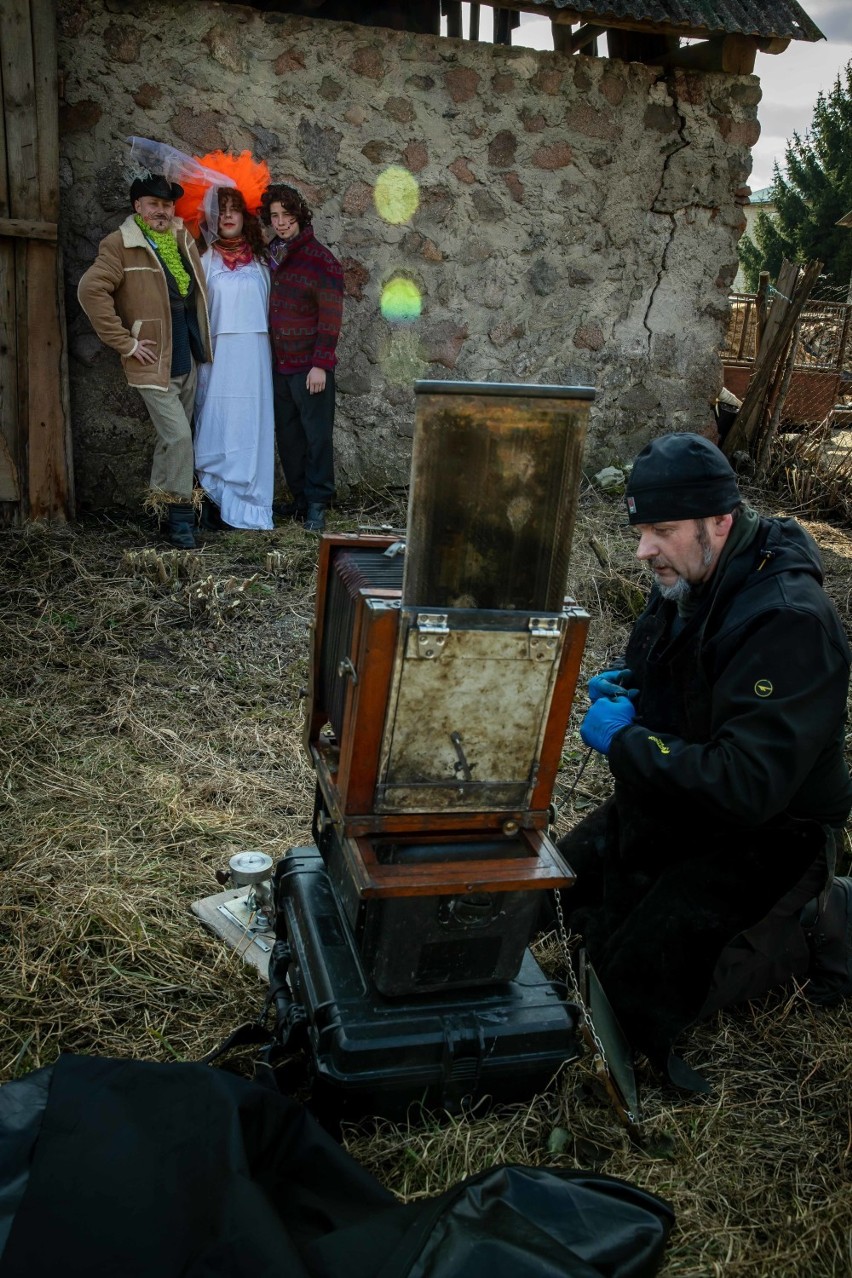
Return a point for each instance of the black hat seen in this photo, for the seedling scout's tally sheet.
(155, 184)
(680, 476)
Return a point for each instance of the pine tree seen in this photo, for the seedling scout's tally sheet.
(810, 197)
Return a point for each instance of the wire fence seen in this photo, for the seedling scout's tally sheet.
(821, 383)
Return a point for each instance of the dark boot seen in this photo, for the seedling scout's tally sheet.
(211, 517)
(315, 518)
(295, 509)
(182, 526)
(830, 941)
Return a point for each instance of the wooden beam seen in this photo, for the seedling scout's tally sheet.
(24, 229)
(4, 166)
(733, 54)
(453, 10)
(9, 490)
(772, 44)
(46, 81)
(47, 469)
(586, 35)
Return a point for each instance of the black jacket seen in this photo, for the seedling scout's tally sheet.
(723, 785)
(742, 713)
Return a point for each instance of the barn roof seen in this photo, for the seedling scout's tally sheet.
(772, 19)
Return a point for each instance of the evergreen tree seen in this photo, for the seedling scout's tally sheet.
(810, 197)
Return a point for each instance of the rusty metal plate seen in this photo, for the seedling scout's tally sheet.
(469, 708)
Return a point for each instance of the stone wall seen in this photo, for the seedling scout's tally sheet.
(577, 218)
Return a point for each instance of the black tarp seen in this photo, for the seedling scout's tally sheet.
(128, 1169)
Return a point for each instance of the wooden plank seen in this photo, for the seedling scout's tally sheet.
(550, 754)
(8, 346)
(9, 489)
(64, 386)
(19, 104)
(45, 75)
(47, 464)
(453, 10)
(8, 352)
(367, 823)
(4, 166)
(20, 319)
(25, 229)
(374, 649)
(539, 866)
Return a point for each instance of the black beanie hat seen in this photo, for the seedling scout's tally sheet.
(680, 476)
(155, 184)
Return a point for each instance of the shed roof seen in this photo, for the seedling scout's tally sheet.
(784, 19)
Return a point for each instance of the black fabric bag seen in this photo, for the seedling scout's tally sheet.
(182, 1171)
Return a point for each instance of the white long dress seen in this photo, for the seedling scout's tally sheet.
(234, 424)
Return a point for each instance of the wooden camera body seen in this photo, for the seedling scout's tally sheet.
(443, 674)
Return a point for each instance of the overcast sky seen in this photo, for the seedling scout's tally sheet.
(790, 80)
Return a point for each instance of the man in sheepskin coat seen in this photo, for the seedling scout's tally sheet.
(146, 297)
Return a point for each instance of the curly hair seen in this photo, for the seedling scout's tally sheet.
(291, 200)
(231, 198)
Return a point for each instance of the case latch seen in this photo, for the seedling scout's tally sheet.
(544, 637)
(432, 633)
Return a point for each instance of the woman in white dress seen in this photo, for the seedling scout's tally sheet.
(234, 424)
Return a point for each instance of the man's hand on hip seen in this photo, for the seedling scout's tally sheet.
(146, 351)
(316, 381)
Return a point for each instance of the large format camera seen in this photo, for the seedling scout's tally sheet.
(442, 677)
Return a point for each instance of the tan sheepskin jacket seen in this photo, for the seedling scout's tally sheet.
(125, 296)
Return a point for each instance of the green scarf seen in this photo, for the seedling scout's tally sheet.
(166, 245)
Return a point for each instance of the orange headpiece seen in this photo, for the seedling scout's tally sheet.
(251, 178)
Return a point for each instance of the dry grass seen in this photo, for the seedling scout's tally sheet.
(151, 729)
(814, 470)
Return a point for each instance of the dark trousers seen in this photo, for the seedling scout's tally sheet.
(303, 432)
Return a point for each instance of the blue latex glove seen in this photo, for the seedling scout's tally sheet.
(611, 684)
(603, 719)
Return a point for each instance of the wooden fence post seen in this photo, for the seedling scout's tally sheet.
(35, 455)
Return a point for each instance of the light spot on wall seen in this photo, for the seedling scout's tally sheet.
(401, 301)
(397, 195)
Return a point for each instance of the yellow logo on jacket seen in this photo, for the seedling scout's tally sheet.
(664, 749)
(764, 688)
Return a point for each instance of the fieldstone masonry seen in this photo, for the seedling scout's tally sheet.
(577, 218)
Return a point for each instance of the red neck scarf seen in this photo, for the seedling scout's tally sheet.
(234, 253)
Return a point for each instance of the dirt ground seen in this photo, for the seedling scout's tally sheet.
(151, 723)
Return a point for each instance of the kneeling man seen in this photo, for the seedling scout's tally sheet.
(707, 877)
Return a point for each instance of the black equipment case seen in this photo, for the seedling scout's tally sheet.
(376, 1054)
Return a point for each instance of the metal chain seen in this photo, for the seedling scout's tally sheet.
(572, 983)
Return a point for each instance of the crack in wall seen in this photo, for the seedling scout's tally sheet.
(671, 216)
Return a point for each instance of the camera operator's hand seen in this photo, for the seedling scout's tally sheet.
(610, 683)
(604, 719)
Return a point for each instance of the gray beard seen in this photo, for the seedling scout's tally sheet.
(677, 590)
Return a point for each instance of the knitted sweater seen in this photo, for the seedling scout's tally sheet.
(306, 303)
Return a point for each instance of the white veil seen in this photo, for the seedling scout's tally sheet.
(177, 166)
